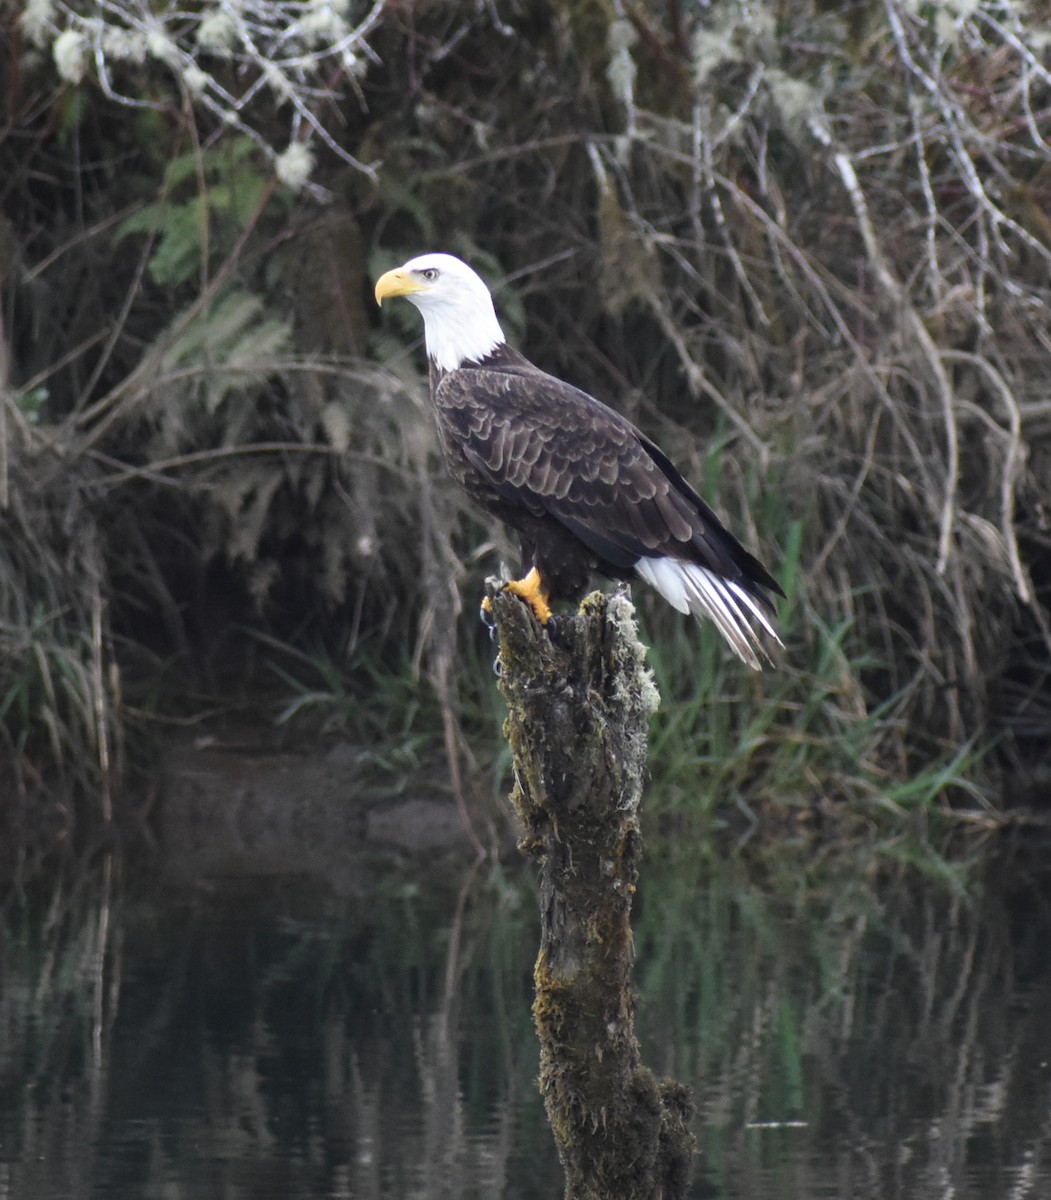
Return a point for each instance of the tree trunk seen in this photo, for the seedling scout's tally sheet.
(579, 700)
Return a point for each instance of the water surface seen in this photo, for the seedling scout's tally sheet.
(852, 1025)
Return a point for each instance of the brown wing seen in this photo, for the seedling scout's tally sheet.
(553, 450)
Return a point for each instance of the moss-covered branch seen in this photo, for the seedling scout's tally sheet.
(579, 702)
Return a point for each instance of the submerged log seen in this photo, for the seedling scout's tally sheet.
(579, 700)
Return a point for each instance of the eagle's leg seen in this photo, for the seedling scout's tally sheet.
(530, 589)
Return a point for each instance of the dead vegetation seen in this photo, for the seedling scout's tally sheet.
(814, 237)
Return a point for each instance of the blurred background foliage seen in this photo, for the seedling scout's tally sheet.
(805, 245)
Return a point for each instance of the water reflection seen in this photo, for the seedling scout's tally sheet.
(858, 1028)
(262, 1040)
(850, 1028)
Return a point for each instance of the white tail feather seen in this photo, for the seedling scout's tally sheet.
(691, 588)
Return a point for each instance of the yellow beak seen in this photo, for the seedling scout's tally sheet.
(397, 283)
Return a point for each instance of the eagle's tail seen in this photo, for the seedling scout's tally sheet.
(691, 588)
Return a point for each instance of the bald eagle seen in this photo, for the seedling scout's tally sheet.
(584, 489)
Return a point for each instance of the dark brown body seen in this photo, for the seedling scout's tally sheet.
(584, 489)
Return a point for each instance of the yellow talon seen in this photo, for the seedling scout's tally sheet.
(530, 589)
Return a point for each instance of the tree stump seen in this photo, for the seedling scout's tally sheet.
(579, 700)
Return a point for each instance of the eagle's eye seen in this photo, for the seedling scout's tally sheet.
(430, 274)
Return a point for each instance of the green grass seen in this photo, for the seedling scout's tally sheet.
(796, 737)
(392, 713)
(803, 735)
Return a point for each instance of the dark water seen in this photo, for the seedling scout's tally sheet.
(853, 1025)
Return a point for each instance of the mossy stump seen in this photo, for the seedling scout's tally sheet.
(579, 700)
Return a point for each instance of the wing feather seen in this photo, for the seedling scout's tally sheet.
(542, 444)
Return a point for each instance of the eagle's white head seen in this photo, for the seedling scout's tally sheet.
(459, 321)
